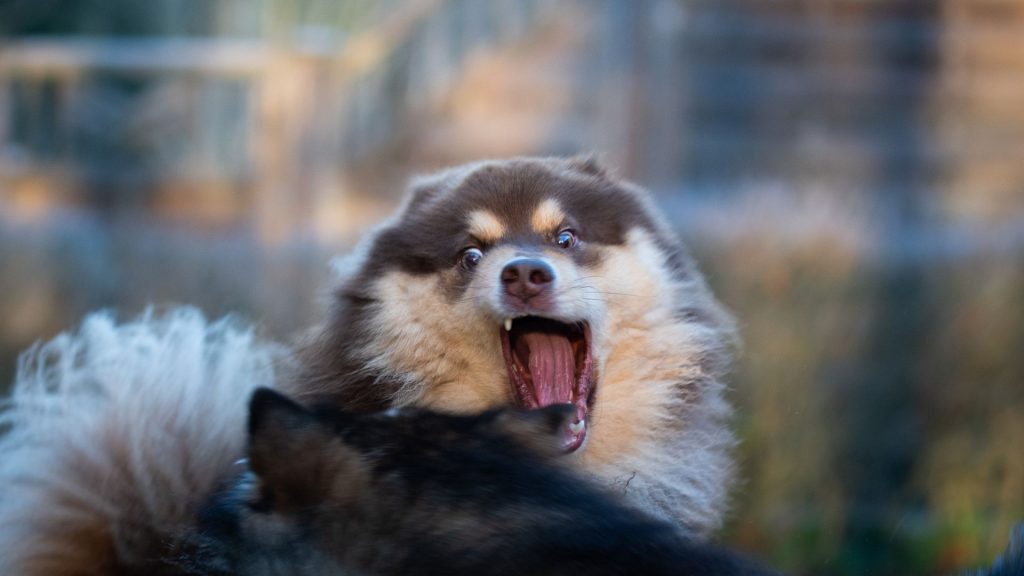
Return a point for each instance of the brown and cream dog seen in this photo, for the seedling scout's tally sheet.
(538, 281)
(525, 282)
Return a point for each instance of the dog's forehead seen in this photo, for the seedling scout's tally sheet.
(495, 201)
(489, 224)
(513, 197)
(518, 201)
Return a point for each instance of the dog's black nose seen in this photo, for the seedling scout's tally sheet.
(525, 278)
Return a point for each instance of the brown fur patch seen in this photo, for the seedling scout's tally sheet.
(421, 336)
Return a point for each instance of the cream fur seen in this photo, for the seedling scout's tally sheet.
(547, 216)
(485, 226)
(419, 337)
(447, 355)
(660, 430)
(116, 435)
(574, 296)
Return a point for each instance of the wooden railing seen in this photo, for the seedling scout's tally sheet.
(224, 126)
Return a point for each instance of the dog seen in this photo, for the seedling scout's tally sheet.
(525, 282)
(411, 492)
(530, 282)
(116, 435)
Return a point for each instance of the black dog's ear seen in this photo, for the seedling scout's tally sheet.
(542, 430)
(297, 457)
(271, 412)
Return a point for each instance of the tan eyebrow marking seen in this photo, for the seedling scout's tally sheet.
(485, 226)
(547, 216)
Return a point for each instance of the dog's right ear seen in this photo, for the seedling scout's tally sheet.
(589, 164)
(422, 190)
(297, 457)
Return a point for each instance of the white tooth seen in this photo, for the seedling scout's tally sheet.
(577, 427)
(508, 324)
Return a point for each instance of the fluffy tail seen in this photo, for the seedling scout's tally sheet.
(115, 435)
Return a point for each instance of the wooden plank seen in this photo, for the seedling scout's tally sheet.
(70, 56)
(5, 111)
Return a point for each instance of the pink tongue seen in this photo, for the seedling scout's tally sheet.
(552, 365)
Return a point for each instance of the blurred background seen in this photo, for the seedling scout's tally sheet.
(850, 173)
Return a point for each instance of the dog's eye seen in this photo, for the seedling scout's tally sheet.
(566, 239)
(470, 257)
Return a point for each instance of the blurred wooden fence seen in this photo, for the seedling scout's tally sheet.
(216, 128)
(891, 98)
(914, 103)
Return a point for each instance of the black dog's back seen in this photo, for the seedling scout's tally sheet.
(416, 492)
(601, 541)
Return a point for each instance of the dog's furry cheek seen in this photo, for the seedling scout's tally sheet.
(442, 350)
(632, 344)
(465, 396)
(659, 415)
(622, 291)
(635, 276)
(576, 297)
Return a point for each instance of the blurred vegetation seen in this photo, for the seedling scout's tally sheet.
(878, 428)
(849, 173)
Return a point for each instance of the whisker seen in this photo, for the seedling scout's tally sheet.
(472, 298)
(593, 290)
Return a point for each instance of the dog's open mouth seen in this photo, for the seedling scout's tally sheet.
(549, 362)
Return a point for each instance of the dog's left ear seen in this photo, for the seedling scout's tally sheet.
(542, 430)
(297, 457)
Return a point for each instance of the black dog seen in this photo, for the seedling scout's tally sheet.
(415, 492)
